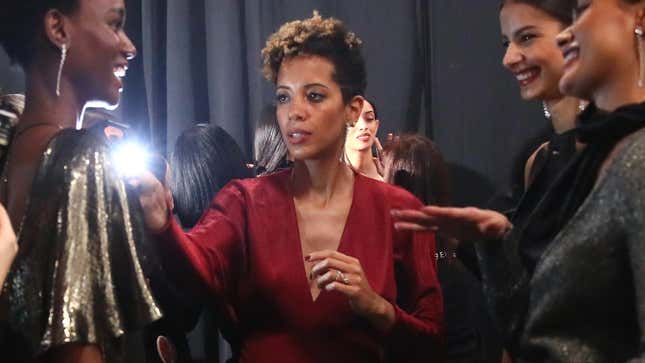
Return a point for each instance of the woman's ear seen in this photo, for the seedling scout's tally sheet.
(56, 26)
(353, 109)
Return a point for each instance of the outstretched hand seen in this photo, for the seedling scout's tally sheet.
(465, 224)
(155, 200)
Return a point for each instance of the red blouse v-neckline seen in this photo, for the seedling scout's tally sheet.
(304, 279)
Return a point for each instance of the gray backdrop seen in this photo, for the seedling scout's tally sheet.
(434, 67)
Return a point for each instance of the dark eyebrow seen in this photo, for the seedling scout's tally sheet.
(315, 85)
(523, 29)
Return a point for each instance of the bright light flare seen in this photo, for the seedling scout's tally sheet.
(130, 159)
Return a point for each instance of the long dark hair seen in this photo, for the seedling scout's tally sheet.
(559, 9)
(414, 163)
(269, 149)
(204, 160)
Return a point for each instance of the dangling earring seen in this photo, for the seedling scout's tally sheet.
(547, 114)
(641, 57)
(63, 56)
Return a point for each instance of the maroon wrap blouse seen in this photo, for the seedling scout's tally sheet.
(246, 250)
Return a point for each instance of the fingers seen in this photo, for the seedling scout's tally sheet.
(348, 290)
(333, 264)
(321, 255)
(447, 212)
(413, 216)
(413, 227)
(145, 182)
(379, 146)
(337, 276)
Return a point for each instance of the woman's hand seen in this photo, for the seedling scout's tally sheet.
(8, 244)
(465, 224)
(380, 165)
(155, 200)
(334, 271)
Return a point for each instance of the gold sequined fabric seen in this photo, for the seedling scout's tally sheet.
(77, 276)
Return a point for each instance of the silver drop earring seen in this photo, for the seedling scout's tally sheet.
(547, 113)
(641, 57)
(63, 57)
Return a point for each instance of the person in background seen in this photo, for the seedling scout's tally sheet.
(205, 159)
(529, 28)
(270, 151)
(361, 137)
(414, 163)
(583, 300)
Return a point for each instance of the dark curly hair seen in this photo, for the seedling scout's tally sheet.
(21, 23)
(559, 9)
(324, 37)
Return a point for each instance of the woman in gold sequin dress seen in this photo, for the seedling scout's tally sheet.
(68, 300)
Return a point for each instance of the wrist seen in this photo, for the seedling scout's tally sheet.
(382, 315)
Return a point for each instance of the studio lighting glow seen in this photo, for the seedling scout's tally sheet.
(130, 158)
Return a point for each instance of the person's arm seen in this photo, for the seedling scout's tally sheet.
(417, 333)
(211, 253)
(8, 244)
(505, 279)
(627, 186)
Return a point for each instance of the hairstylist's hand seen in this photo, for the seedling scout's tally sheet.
(8, 244)
(334, 271)
(380, 166)
(465, 224)
(154, 200)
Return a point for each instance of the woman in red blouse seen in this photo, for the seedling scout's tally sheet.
(305, 264)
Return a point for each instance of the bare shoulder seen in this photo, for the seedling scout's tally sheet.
(528, 167)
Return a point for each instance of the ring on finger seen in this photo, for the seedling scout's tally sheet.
(341, 277)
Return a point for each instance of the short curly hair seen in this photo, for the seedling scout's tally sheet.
(324, 37)
(21, 23)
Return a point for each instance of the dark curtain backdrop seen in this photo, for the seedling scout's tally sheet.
(434, 67)
(201, 61)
